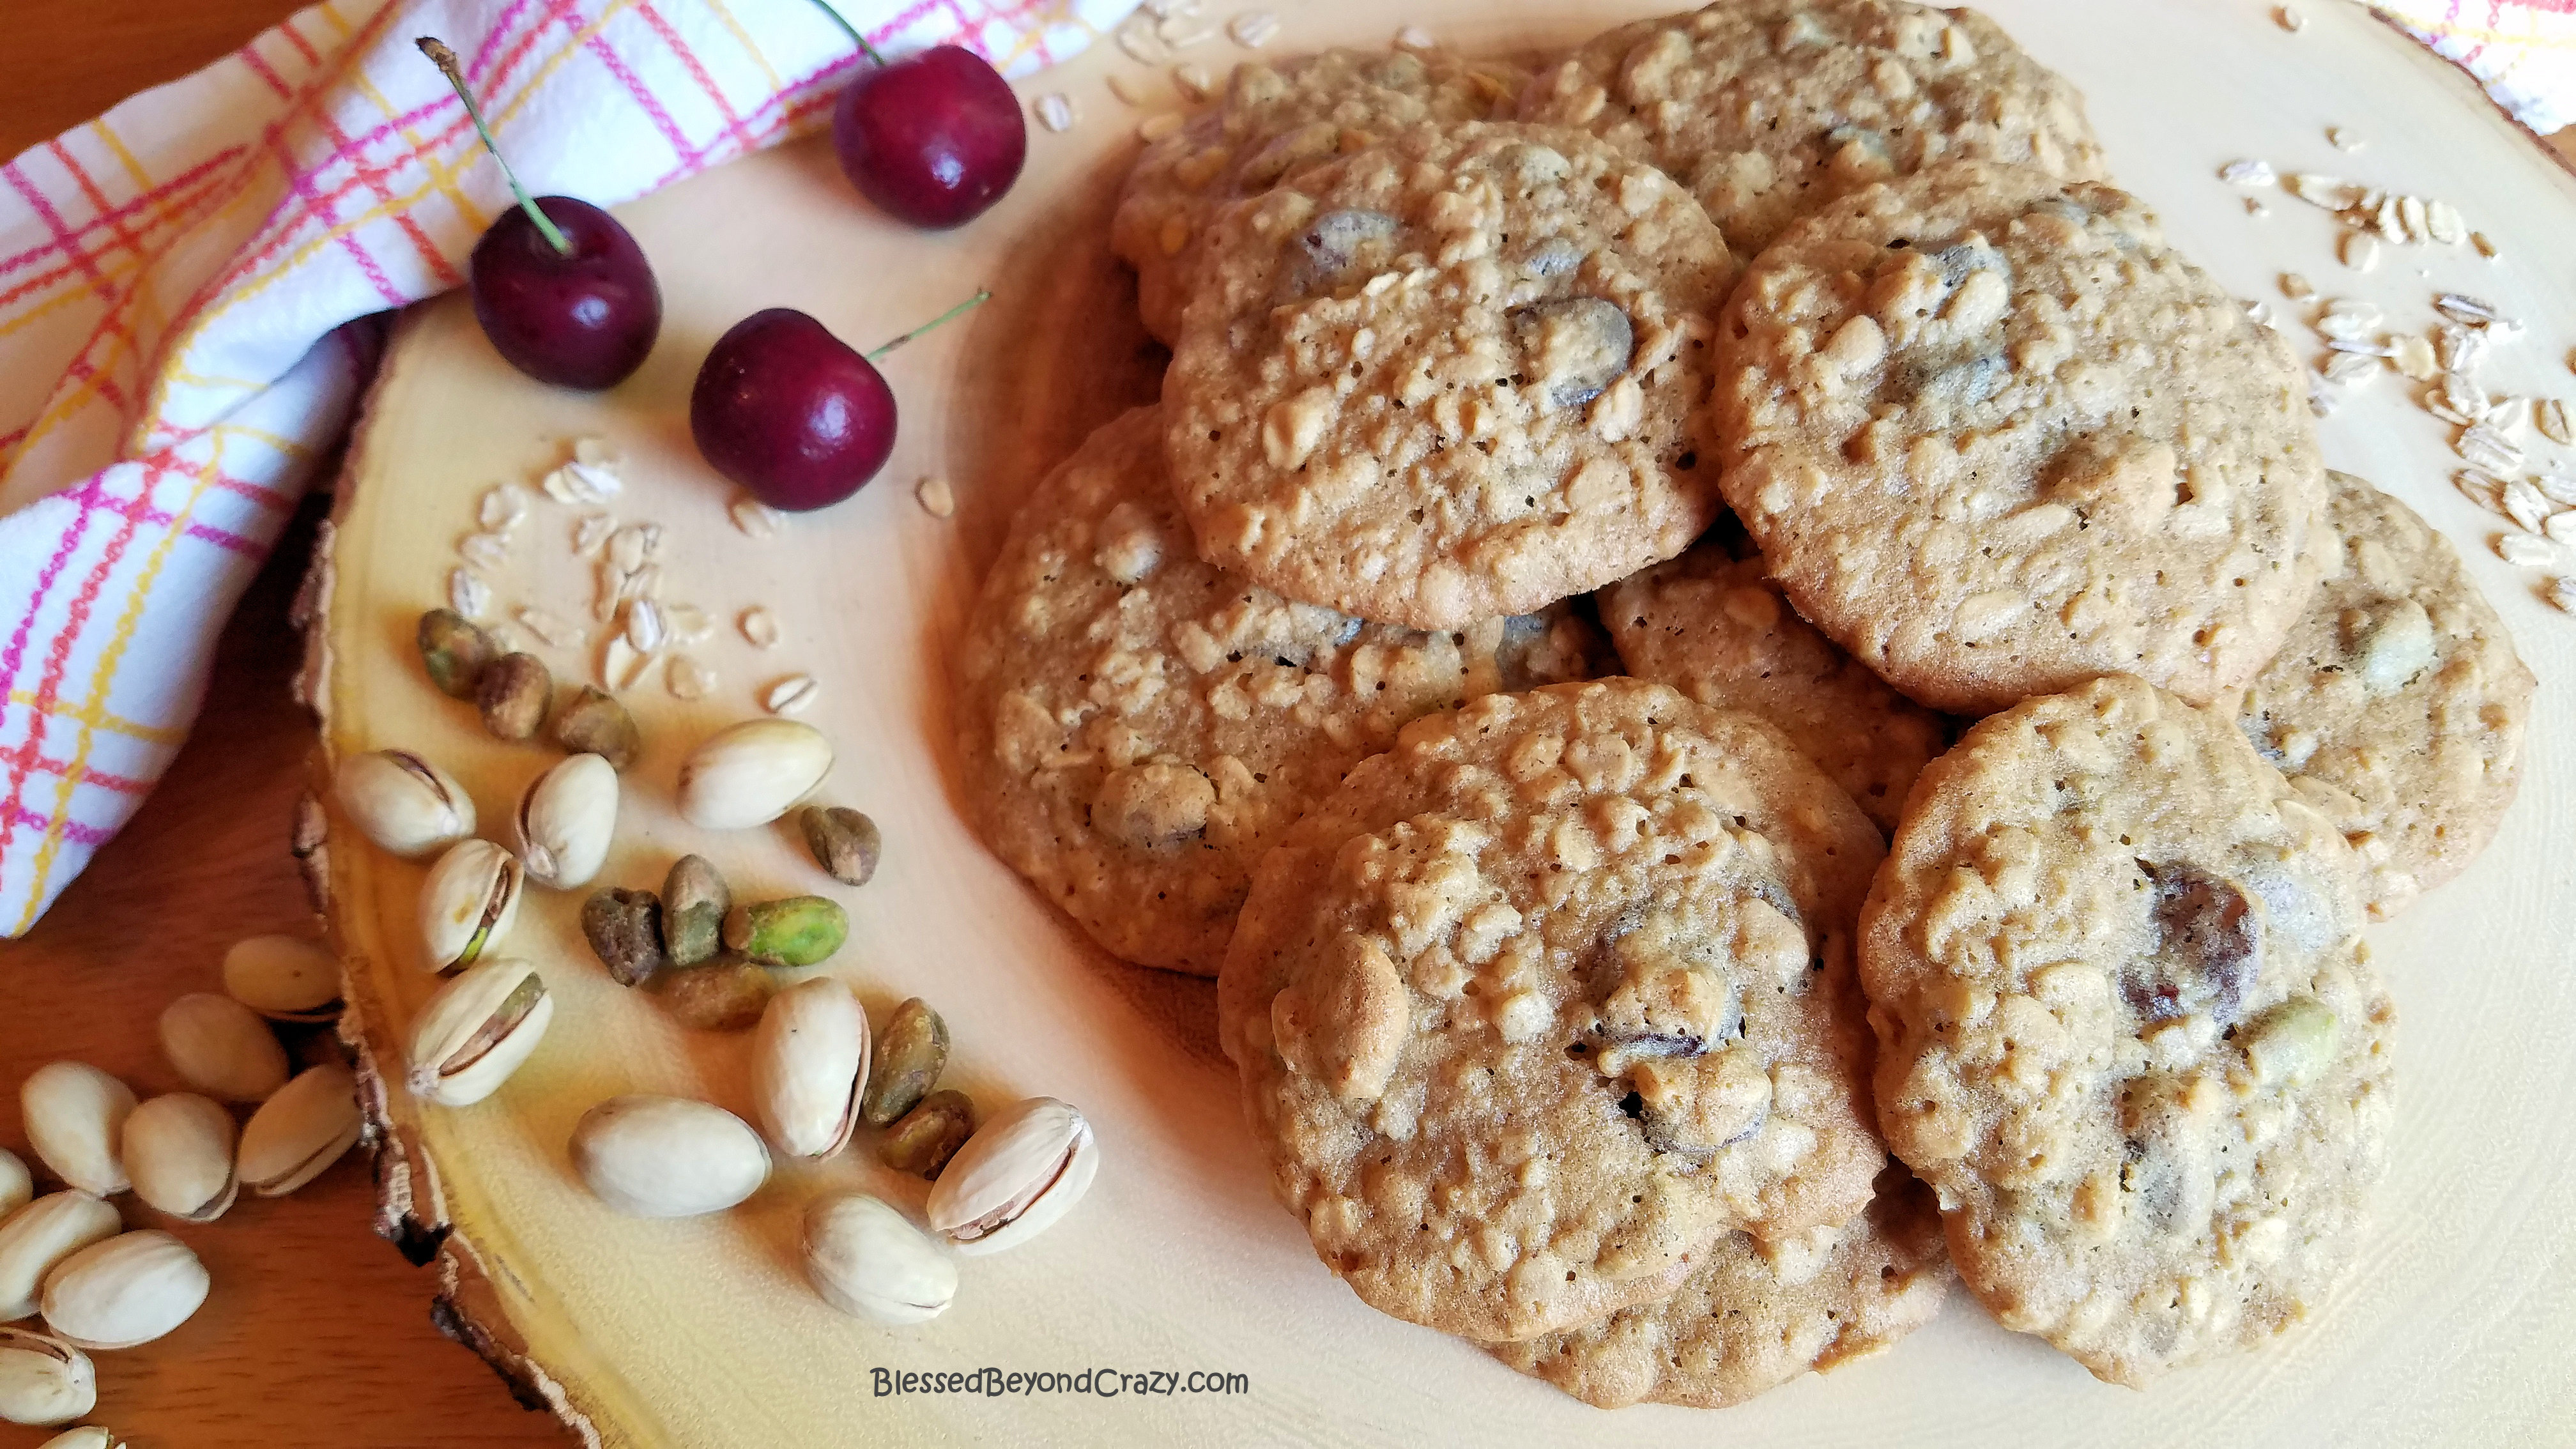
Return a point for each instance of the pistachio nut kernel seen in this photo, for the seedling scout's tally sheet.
(796, 931)
(729, 996)
(566, 821)
(468, 903)
(695, 901)
(926, 1137)
(179, 1150)
(284, 978)
(478, 1030)
(514, 694)
(592, 722)
(809, 1061)
(1015, 1177)
(624, 929)
(43, 1380)
(74, 1114)
(42, 1234)
(222, 1048)
(87, 1436)
(456, 651)
(845, 843)
(751, 773)
(301, 1131)
(17, 1184)
(911, 1053)
(667, 1157)
(867, 1260)
(402, 802)
(2292, 1042)
(124, 1292)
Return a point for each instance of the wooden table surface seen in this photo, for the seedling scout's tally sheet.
(317, 1333)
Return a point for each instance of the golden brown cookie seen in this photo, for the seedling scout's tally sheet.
(2398, 705)
(1995, 437)
(1454, 376)
(1137, 726)
(1547, 998)
(2127, 1028)
(1769, 109)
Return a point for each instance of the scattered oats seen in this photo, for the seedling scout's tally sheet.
(644, 626)
(2550, 416)
(2359, 250)
(2290, 19)
(2358, 347)
(2350, 369)
(554, 631)
(687, 623)
(790, 695)
(597, 453)
(609, 592)
(2321, 403)
(1055, 111)
(2413, 355)
(2522, 503)
(2256, 208)
(621, 664)
(2562, 592)
(1166, 9)
(1414, 37)
(2455, 399)
(2412, 216)
(467, 594)
(2466, 310)
(687, 678)
(2248, 173)
(755, 518)
(2348, 317)
(760, 627)
(1136, 36)
(2510, 416)
(2531, 551)
(2331, 192)
(2341, 139)
(2462, 348)
(2488, 449)
(2485, 245)
(2259, 313)
(1192, 80)
(1155, 128)
(631, 547)
(2443, 220)
(1125, 89)
(487, 551)
(590, 532)
(2560, 527)
(644, 583)
(2296, 287)
(1253, 29)
(2387, 218)
(2557, 487)
(581, 485)
(935, 497)
(2480, 487)
(1181, 34)
(502, 508)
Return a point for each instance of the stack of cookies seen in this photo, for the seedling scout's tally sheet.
(1701, 612)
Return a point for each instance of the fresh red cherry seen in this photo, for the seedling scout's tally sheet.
(934, 138)
(560, 287)
(793, 413)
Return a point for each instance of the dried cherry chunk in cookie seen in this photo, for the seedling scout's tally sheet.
(2207, 947)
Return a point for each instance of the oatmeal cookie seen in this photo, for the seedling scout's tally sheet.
(1138, 726)
(1768, 109)
(1550, 996)
(1755, 1315)
(2127, 1028)
(1453, 376)
(2398, 705)
(1718, 629)
(1274, 121)
(1995, 438)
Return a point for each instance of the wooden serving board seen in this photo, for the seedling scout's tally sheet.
(2453, 1328)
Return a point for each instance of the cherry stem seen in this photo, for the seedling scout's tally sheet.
(981, 294)
(445, 59)
(852, 31)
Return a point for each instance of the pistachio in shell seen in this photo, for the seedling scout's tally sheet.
(300, 1131)
(43, 1380)
(667, 1157)
(222, 1048)
(468, 903)
(42, 1234)
(867, 1260)
(179, 1151)
(124, 1292)
(402, 802)
(74, 1114)
(478, 1030)
(284, 978)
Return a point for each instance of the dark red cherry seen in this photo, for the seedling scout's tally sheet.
(934, 138)
(582, 319)
(791, 412)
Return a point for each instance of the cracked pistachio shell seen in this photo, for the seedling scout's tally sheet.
(222, 1048)
(566, 821)
(1020, 1172)
(468, 903)
(42, 1234)
(179, 1149)
(87, 1436)
(809, 1060)
(477, 1030)
(300, 1131)
(124, 1292)
(43, 1380)
(403, 802)
(667, 1157)
(870, 1262)
(17, 1184)
(73, 1114)
(284, 978)
(751, 773)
